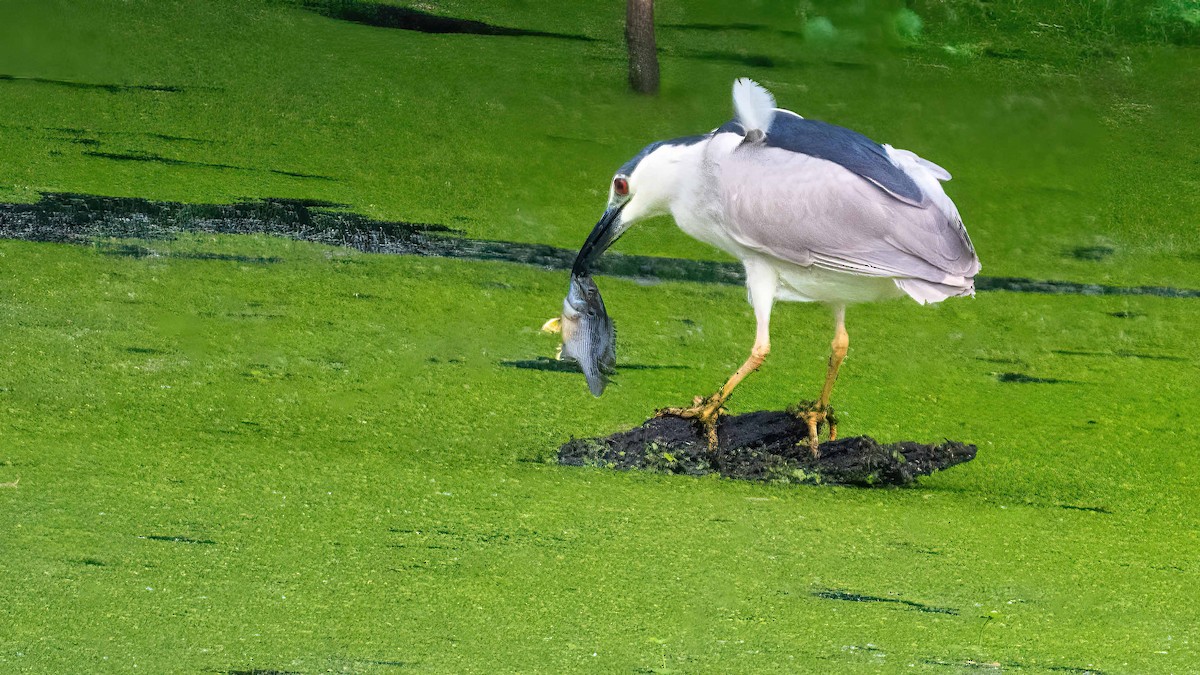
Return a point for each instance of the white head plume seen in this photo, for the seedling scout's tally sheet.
(754, 107)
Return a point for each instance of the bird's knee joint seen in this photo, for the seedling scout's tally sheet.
(760, 351)
(840, 344)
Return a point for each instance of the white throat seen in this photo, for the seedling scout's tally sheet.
(663, 178)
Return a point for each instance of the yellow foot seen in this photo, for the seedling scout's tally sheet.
(703, 410)
(814, 416)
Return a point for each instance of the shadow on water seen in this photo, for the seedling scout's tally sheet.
(748, 60)
(178, 539)
(831, 594)
(256, 671)
(997, 666)
(86, 136)
(170, 161)
(383, 15)
(1095, 253)
(1090, 509)
(1119, 353)
(143, 350)
(113, 88)
(134, 251)
(82, 219)
(1022, 378)
(548, 364)
(725, 27)
(763, 60)
(1023, 285)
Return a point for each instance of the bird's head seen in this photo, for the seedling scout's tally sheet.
(642, 188)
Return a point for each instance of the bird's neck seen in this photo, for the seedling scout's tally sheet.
(681, 172)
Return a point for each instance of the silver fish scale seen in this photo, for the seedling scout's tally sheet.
(589, 337)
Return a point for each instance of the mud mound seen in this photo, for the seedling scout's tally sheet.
(765, 446)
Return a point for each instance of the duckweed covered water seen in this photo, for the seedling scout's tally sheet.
(244, 453)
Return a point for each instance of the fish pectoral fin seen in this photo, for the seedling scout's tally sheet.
(553, 325)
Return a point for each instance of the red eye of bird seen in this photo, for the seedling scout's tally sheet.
(620, 186)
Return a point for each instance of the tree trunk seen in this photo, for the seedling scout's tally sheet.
(639, 38)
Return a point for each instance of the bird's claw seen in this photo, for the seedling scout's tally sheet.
(706, 411)
(814, 415)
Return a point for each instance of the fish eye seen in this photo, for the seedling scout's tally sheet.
(621, 186)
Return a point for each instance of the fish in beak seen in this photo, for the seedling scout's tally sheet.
(588, 335)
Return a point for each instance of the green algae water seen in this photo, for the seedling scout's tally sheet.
(253, 453)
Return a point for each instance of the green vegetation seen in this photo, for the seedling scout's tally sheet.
(322, 464)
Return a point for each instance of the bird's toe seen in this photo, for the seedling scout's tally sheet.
(704, 411)
(814, 415)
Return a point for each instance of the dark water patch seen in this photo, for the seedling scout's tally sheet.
(113, 88)
(914, 548)
(972, 664)
(1023, 285)
(831, 594)
(1022, 378)
(382, 15)
(81, 219)
(171, 161)
(318, 204)
(168, 137)
(751, 60)
(548, 364)
(1094, 253)
(134, 251)
(178, 539)
(1092, 509)
(145, 134)
(1126, 314)
(725, 27)
(144, 350)
(1121, 353)
(294, 174)
(748, 60)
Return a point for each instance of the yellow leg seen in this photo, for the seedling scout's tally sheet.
(706, 410)
(816, 414)
(761, 282)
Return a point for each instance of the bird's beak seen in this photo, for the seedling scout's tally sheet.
(607, 231)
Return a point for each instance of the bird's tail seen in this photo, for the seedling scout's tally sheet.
(926, 292)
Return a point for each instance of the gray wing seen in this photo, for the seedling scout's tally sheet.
(813, 211)
(850, 149)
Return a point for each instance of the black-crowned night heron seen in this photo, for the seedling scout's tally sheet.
(815, 212)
